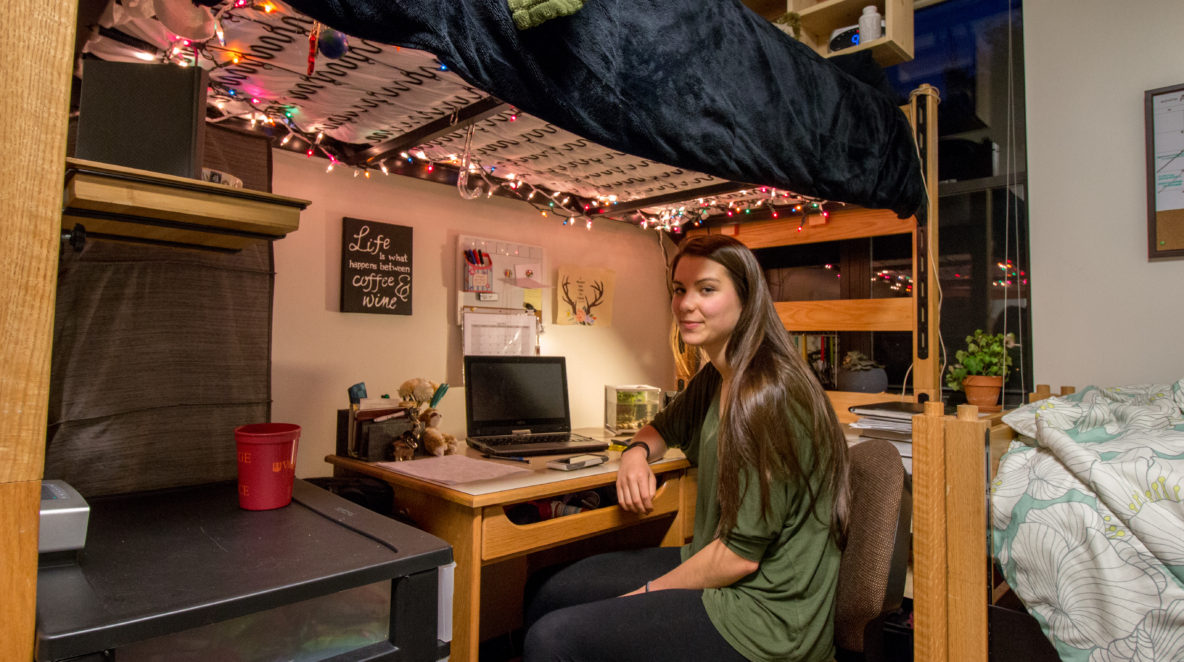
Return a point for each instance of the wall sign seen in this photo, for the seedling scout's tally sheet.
(375, 267)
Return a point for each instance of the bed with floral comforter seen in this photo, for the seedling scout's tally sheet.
(1088, 524)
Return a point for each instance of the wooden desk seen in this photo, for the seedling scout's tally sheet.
(472, 518)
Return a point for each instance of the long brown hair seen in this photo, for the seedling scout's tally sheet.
(770, 385)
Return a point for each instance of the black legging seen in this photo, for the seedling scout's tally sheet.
(575, 614)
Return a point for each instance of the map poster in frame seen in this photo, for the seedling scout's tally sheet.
(1164, 108)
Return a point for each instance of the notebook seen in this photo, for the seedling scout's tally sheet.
(517, 406)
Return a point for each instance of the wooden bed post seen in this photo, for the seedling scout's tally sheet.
(950, 580)
(35, 105)
(968, 585)
(929, 535)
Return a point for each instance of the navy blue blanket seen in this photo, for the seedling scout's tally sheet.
(700, 84)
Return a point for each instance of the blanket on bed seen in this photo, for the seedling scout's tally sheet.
(1088, 523)
(708, 86)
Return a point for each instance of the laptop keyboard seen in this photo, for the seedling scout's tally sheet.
(507, 439)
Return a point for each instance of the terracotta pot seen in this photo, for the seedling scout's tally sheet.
(982, 391)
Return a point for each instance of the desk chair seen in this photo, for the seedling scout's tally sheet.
(875, 562)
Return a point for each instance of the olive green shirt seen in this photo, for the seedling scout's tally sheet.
(785, 609)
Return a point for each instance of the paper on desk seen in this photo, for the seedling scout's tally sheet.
(453, 469)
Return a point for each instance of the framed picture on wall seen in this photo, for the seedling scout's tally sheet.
(1164, 109)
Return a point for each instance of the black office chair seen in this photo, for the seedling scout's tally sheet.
(875, 562)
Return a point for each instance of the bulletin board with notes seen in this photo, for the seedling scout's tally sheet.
(496, 273)
(500, 291)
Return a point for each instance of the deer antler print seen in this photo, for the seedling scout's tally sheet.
(598, 288)
(567, 298)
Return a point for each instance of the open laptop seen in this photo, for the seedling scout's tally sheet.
(517, 406)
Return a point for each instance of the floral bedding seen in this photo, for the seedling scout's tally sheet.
(1088, 524)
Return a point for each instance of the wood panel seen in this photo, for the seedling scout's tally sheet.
(966, 525)
(930, 611)
(19, 503)
(503, 538)
(174, 209)
(844, 223)
(34, 105)
(117, 229)
(847, 315)
(29, 234)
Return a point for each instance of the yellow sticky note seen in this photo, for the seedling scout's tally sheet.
(533, 298)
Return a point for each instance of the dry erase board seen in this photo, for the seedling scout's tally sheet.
(512, 274)
(375, 267)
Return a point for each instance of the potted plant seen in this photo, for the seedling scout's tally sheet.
(861, 374)
(981, 367)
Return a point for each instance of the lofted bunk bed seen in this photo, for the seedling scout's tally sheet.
(918, 314)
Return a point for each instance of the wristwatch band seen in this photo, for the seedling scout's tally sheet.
(638, 444)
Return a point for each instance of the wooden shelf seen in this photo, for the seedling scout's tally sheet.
(117, 202)
(847, 315)
(819, 19)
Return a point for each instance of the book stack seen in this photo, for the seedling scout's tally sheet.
(891, 421)
(374, 423)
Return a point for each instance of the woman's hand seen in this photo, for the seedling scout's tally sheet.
(635, 481)
(714, 566)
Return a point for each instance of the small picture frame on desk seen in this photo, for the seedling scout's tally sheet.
(1164, 113)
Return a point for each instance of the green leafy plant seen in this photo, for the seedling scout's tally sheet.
(856, 360)
(985, 354)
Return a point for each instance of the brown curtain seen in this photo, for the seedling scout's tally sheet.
(159, 353)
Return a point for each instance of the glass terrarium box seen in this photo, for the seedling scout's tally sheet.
(628, 408)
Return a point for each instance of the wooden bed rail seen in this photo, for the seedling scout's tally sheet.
(951, 572)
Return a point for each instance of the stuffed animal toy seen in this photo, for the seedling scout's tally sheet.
(433, 440)
(417, 391)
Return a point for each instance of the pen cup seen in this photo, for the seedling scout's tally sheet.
(479, 277)
(266, 464)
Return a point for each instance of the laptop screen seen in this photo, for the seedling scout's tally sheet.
(508, 393)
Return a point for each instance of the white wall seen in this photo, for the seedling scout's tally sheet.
(317, 352)
(1102, 314)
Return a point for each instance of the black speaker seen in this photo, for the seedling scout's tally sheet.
(145, 116)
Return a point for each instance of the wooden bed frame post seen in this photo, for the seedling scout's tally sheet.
(35, 105)
(930, 632)
(931, 626)
(968, 577)
(950, 578)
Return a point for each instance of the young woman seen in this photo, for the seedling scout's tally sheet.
(757, 581)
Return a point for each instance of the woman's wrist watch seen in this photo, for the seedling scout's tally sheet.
(638, 444)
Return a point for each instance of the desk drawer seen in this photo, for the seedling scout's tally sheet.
(503, 539)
